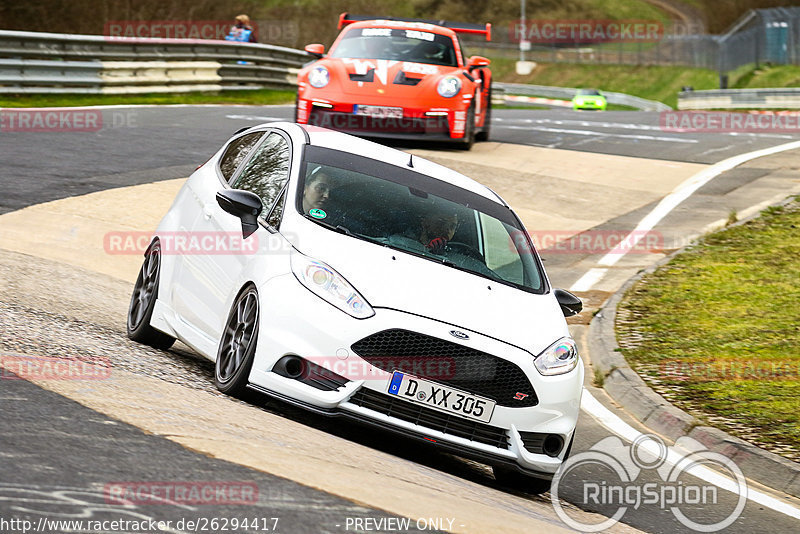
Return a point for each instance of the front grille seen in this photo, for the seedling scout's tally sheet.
(455, 365)
(430, 418)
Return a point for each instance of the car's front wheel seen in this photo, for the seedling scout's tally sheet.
(143, 300)
(237, 347)
(469, 129)
(483, 135)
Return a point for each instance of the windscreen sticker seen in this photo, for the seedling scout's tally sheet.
(414, 34)
(318, 214)
(380, 32)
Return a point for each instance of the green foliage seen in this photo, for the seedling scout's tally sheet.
(651, 82)
(256, 98)
(728, 307)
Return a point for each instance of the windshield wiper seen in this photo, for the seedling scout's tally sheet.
(342, 230)
(346, 231)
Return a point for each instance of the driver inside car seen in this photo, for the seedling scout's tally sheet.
(317, 191)
(437, 229)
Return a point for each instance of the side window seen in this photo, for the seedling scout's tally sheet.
(461, 51)
(267, 171)
(501, 254)
(274, 219)
(236, 152)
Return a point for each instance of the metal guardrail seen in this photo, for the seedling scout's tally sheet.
(566, 93)
(779, 98)
(33, 62)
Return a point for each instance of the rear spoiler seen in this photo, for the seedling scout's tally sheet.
(458, 27)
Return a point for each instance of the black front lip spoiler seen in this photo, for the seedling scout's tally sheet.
(454, 448)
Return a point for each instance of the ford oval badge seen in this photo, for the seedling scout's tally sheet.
(458, 334)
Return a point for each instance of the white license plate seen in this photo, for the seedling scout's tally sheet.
(440, 397)
(378, 111)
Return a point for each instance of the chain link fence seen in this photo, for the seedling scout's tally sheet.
(760, 36)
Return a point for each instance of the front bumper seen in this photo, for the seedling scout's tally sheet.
(296, 322)
(437, 123)
(590, 105)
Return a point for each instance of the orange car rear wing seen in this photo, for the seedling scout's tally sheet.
(458, 27)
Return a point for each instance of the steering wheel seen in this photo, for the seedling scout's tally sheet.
(466, 250)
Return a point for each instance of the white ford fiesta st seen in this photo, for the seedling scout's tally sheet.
(355, 280)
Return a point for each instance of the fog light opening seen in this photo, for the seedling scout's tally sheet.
(290, 366)
(553, 444)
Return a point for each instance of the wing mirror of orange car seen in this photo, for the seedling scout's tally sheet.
(476, 62)
(316, 50)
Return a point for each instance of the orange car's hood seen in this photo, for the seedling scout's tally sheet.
(385, 75)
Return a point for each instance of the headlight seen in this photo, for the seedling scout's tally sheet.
(559, 358)
(319, 77)
(326, 283)
(449, 86)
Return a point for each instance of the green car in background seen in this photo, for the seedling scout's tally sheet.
(589, 99)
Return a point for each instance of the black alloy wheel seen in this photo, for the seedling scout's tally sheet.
(143, 300)
(237, 347)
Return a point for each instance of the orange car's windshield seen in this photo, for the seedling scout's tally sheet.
(395, 44)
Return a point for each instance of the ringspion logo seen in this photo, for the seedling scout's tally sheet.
(610, 474)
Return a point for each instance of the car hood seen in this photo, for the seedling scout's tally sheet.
(381, 76)
(388, 278)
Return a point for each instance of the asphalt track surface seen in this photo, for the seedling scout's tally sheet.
(50, 441)
(142, 144)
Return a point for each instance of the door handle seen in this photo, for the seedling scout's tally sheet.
(208, 212)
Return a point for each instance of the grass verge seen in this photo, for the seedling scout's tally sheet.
(661, 83)
(259, 97)
(717, 330)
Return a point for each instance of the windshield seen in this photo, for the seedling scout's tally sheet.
(414, 213)
(588, 92)
(395, 44)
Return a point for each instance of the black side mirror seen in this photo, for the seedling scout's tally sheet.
(243, 204)
(570, 304)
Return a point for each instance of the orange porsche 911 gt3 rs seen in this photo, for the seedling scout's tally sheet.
(402, 78)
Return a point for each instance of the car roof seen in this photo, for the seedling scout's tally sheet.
(383, 23)
(361, 147)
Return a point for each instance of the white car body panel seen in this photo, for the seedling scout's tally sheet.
(407, 292)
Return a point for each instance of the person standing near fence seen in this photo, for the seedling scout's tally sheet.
(242, 31)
